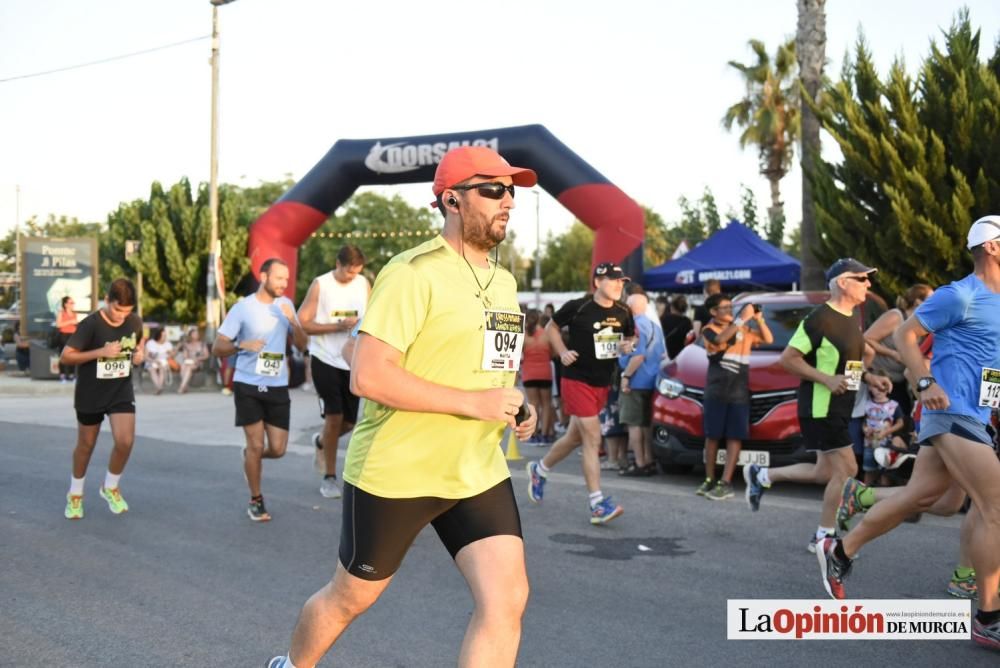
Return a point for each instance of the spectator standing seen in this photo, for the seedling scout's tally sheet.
(536, 375)
(701, 314)
(879, 337)
(676, 326)
(66, 321)
(728, 342)
(639, 370)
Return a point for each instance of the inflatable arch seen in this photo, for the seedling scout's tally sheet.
(617, 221)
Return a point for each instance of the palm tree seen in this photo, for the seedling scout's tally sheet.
(810, 43)
(769, 114)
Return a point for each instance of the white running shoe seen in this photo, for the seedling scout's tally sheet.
(330, 488)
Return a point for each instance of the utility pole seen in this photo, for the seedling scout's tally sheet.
(214, 247)
(536, 283)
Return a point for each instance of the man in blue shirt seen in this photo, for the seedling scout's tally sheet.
(958, 392)
(257, 330)
(639, 369)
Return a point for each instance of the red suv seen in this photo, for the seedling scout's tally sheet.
(678, 430)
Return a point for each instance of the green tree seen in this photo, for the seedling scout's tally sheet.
(173, 228)
(919, 161)
(657, 246)
(748, 207)
(768, 114)
(379, 226)
(710, 212)
(810, 46)
(566, 263)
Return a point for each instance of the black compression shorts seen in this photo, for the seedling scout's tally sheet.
(376, 532)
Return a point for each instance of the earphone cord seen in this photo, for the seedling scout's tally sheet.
(496, 262)
(483, 288)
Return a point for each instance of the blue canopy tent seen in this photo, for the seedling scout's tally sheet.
(735, 255)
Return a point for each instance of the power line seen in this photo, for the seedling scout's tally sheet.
(106, 60)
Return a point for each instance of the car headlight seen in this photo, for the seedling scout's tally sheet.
(670, 388)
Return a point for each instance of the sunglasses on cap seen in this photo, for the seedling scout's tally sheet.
(488, 189)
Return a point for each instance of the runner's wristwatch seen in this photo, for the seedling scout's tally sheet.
(925, 382)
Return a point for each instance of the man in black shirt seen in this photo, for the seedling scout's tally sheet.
(676, 326)
(105, 347)
(829, 354)
(598, 327)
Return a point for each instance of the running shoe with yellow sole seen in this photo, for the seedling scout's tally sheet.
(115, 501)
(74, 507)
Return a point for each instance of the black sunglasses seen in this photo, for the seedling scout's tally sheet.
(489, 189)
(859, 279)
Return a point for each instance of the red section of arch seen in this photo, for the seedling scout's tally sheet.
(618, 222)
(279, 233)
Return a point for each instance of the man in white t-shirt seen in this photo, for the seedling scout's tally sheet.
(335, 302)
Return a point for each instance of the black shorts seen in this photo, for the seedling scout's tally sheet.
(376, 532)
(540, 384)
(261, 402)
(90, 419)
(726, 420)
(333, 386)
(826, 434)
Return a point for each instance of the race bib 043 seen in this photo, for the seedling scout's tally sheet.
(112, 368)
(269, 364)
(502, 340)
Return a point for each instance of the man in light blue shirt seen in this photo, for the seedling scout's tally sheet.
(958, 392)
(257, 329)
(639, 369)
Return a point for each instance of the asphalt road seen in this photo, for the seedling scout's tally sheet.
(185, 579)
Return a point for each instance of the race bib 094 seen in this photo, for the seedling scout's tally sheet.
(502, 340)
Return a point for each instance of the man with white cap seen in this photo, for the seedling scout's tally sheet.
(829, 354)
(436, 361)
(957, 391)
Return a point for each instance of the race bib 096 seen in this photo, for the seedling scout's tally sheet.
(111, 368)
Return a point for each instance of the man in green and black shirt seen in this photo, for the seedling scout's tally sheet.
(828, 353)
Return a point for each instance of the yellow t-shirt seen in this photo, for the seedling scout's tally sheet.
(425, 304)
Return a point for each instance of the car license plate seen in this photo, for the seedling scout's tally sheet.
(758, 457)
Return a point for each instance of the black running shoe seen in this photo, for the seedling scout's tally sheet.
(257, 511)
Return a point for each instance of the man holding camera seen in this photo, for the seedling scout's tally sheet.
(728, 342)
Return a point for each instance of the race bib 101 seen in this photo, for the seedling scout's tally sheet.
(112, 368)
(270, 364)
(502, 340)
(606, 344)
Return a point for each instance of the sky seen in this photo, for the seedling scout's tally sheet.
(636, 88)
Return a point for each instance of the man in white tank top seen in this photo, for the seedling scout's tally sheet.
(334, 304)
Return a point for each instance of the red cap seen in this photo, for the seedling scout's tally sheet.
(465, 162)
